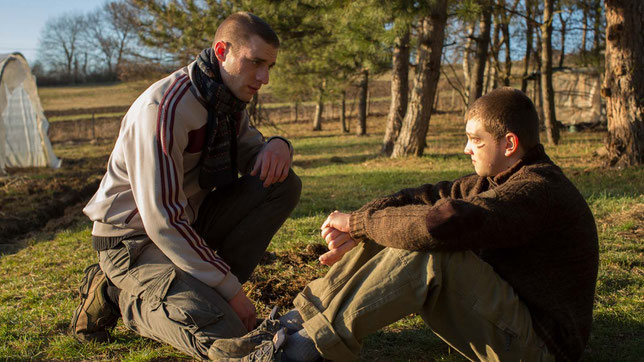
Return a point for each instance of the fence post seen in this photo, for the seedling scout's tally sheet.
(93, 127)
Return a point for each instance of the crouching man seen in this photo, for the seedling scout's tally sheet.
(177, 232)
(501, 264)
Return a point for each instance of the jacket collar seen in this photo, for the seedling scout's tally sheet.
(536, 154)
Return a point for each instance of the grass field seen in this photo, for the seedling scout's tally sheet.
(40, 278)
(89, 96)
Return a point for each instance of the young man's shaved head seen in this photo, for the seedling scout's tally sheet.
(505, 110)
(239, 27)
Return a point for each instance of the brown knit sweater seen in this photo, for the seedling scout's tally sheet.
(529, 223)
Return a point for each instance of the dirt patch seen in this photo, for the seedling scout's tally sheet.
(32, 198)
(77, 111)
(283, 274)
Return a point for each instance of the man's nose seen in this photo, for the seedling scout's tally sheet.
(262, 75)
(468, 149)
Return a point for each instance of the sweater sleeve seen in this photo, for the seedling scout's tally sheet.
(504, 217)
(153, 151)
(426, 194)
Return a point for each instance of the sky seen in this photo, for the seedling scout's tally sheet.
(22, 21)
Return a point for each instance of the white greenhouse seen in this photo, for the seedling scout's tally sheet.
(23, 126)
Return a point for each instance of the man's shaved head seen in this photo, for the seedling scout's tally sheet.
(239, 27)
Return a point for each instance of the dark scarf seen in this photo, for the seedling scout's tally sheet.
(218, 162)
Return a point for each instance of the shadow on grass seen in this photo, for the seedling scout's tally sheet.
(606, 182)
(615, 338)
(345, 145)
(333, 160)
(417, 344)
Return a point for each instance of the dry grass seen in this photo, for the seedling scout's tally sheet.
(90, 96)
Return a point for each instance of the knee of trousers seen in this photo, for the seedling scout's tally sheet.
(180, 310)
(289, 190)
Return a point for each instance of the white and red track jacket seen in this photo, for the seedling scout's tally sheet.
(151, 185)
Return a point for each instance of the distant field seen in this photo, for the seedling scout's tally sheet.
(40, 273)
(90, 96)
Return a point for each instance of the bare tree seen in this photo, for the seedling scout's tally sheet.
(99, 37)
(431, 34)
(502, 38)
(482, 44)
(111, 30)
(467, 53)
(60, 42)
(624, 81)
(494, 64)
(123, 21)
(563, 20)
(399, 91)
(597, 26)
(584, 31)
(529, 22)
(552, 131)
(538, 64)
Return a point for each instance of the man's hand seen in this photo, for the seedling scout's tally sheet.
(245, 309)
(337, 220)
(273, 162)
(335, 231)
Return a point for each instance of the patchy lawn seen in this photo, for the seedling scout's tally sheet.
(46, 241)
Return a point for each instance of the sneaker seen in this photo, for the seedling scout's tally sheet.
(268, 350)
(243, 346)
(94, 316)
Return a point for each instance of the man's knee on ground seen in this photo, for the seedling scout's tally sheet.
(289, 189)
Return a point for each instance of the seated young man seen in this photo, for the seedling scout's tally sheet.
(501, 264)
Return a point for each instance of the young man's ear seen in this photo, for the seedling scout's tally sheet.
(511, 144)
(221, 49)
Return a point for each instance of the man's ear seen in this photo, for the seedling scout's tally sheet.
(221, 49)
(511, 144)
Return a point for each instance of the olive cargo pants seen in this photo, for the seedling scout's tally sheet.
(457, 294)
(162, 302)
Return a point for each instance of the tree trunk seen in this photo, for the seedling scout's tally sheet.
(489, 70)
(430, 47)
(295, 109)
(495, 48)
(482, 44)
(537, 69)
(343, 114)
(399, 92)
(584, 32)
(528, 45)
(597, 27)
(623, 85)
(363, 88)
(502, 39)
(563, 39)
(466, 58)
(508, 54)
(552, 131)
(319, 108)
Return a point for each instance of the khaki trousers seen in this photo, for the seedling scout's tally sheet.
(162, 302)
(457, 294)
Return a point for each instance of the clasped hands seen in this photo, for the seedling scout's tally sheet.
(335, 231)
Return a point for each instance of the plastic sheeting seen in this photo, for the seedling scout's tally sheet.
(23, 127)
